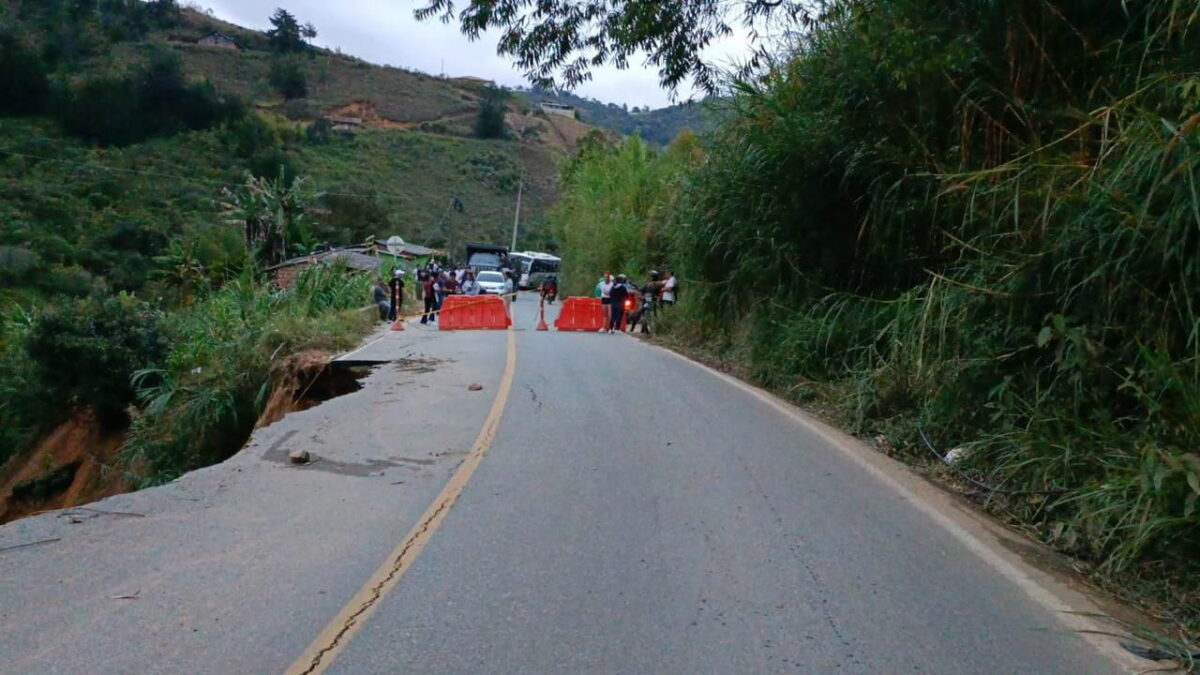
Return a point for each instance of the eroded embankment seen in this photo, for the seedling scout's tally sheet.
(80, 461)
(74, 464)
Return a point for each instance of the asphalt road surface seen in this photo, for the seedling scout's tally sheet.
(599, 506)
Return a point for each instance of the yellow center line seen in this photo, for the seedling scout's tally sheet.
(333, 640)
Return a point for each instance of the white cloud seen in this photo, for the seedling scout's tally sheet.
(385, 32)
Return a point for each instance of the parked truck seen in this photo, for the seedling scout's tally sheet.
(482, 257)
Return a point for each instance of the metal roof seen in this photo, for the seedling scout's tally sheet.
(355, 260)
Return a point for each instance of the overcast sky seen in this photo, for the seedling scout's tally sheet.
(385, 32)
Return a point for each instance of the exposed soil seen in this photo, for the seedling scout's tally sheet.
(366, 111)
(304, 380)
(75, 464)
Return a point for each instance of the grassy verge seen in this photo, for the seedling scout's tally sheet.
(200, 405)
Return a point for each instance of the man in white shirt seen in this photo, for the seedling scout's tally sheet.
(668, 296)
(470, 286)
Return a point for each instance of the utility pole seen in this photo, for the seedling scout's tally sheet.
(517, 215)
(454, 205)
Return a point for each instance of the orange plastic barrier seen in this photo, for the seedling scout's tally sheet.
(580, 314)
(473, 312)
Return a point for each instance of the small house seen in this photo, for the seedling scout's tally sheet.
(558, 109)
(344, 124)
(356, 261)
(412, 254)
(219, 39)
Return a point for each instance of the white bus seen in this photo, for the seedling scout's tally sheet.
(532, 268)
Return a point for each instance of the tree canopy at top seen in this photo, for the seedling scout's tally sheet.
(287, 35)
(564, 39)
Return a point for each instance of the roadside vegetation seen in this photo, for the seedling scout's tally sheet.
(148, 180)
(132, 276)
(202, 397)
(975, 225)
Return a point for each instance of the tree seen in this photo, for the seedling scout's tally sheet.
(152, 100)
(287, 36)
(564, 39)
(88, 350)
(164, 13)
(492, 109)
(287, 77)
(22, 77)
(270, 212)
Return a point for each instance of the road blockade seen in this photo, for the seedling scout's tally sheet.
(473, 312)
(580, 314)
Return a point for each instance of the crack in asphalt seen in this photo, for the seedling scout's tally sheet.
(533, 395)
(377, 589)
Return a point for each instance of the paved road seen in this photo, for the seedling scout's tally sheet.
(633, 513)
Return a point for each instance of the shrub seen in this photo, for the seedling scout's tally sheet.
(16, 263)
(250, 135)
(495, 169)
(23, 409)
(87, 351)
(201, 404)
(287, 77)
(22, 78)
(296, 110)
(153, 100)
(319, 132)
(493, 106)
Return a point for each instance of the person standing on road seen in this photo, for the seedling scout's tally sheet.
(509, 288)
(616, 304)
(606, 286)
(450, 285)
(428, 288)
(397, 287)
(670, 288)
(470, 286)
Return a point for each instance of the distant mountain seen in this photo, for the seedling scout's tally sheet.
(659, 126)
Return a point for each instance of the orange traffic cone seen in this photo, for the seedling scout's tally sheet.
(398, 324)
(542, 316)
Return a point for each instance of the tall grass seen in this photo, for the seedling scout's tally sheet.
(613, 214)
(200, 407)
(981, 222)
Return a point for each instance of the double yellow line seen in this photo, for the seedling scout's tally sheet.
(337, 635)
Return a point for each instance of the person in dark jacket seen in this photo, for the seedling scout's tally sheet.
(381, 300)
(397, 286)
(429, 291)
(616, 302)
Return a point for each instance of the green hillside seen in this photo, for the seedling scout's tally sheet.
(136, 166)
(80, 212)
(659, 126)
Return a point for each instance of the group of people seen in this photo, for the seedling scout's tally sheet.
(655, 293)
(389, 296)
(437, 282)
